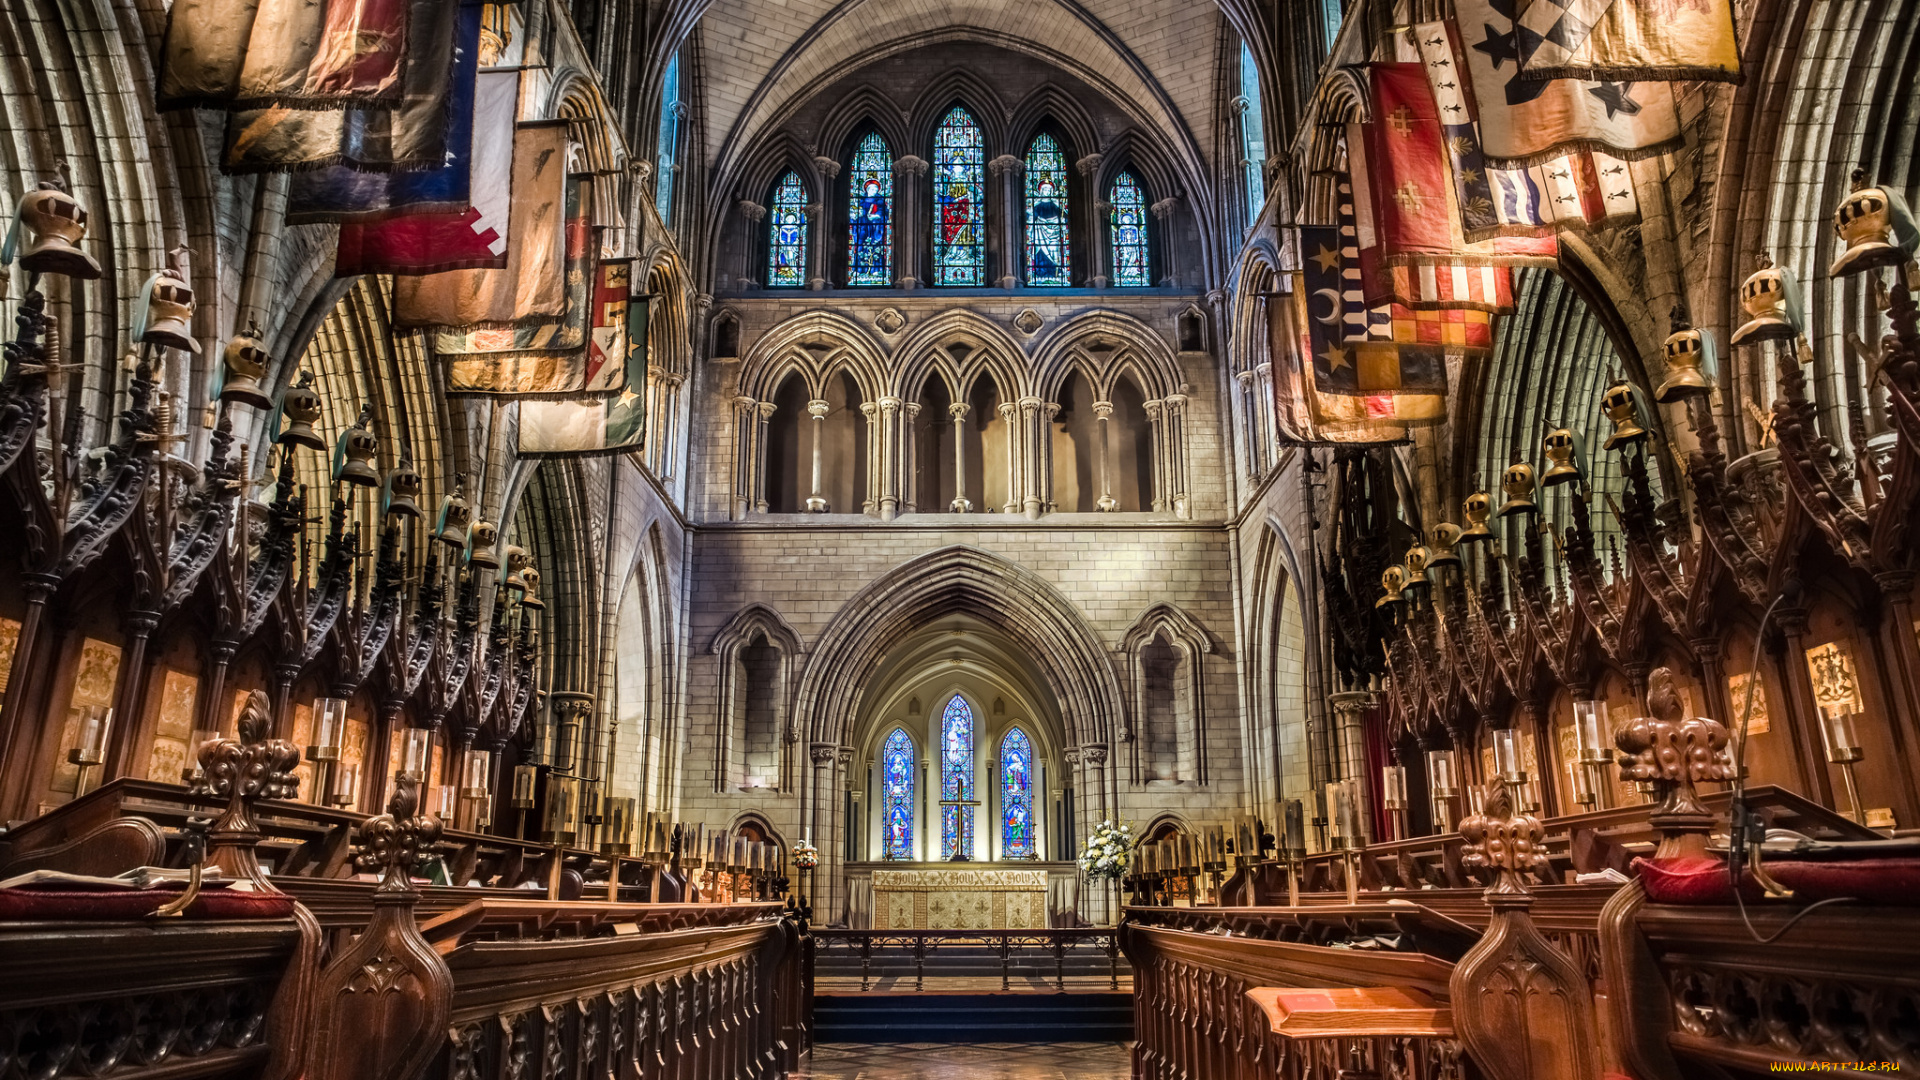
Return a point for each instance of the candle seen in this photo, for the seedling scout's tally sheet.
(1579, 784)
(1836, 727)
(1440, 773)
(346, 790)
(1506, 755)
(1393, 786)
(443, 805)
(524, 778)
(1590, 733)
(1243, 839)
(1337, 812)
(419, 748)
(1296, 828)
(329, 725)
(95, 720)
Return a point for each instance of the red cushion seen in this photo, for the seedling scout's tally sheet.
(1690, 881)
(116, 905)
(1893, 882)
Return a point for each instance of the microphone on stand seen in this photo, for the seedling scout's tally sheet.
(1746, 831)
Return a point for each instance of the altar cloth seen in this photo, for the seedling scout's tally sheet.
(961, 898)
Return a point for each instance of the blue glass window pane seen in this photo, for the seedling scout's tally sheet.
(959, 201)
(1049, 262)
(870, 214)
(956, 779)
(896, 798)
(787, 233)
(1016, 795)
(1253, 138)
(665, 165)
(1129, 223)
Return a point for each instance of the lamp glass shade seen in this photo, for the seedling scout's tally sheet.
(1506, 755)
(1590, 731)
(419, 752)
(1440, 773)
(329, 726)
(1393, 786)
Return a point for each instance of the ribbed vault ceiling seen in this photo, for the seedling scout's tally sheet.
(1157, 56)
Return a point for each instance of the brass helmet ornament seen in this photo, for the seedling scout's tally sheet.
(54, 223)
(1691, 362)
(514, 576)
(1394, 580)
(456, 514)
(1877, 227)
(483, 546)
(1518, 483)
(302, 408)
(1562, 448)
(530, 579)
(1622, 407)
(1478, 508)
(1775, 309)
(1417, 563)
(353, 455)
(403, 488)
(245, 365)
(166, 315)
(1442, 539)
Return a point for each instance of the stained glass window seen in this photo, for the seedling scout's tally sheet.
(787, 233)
(870, 214)
(956, 779)
(896, 797)
(1253, 137)
(1129, 222)
(959, 201)
(1048, 260)
(665, 157)
(1016, 796)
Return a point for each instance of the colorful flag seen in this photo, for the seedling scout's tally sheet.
(545, 334)
(528, 363)
(610, 425)
(205, 46)
(1355, 373)
(1640, 40)
(1525, 122)
(308, 54)
(416, 156)
(1409, 216)
(1589, 190)
(458, 268)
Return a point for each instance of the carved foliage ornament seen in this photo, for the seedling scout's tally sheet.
(254, 767)
(398, 840)
(1674, 752)
(1506, 843)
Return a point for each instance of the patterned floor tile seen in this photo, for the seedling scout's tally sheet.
(976, 1061)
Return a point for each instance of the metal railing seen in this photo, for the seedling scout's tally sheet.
(1011, 945)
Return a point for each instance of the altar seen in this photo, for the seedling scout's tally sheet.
(966, 896)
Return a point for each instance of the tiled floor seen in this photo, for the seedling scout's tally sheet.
(978, 1061)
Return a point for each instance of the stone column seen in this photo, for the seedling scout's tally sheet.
(1100, 247)
(1094, 758)
(889, 489)
(754, 213)
(961, 504)
(1169, 251)
(1263, 407)
(908, 451)
(746, 426)
(817, 223)
(908, 235)
(1255, 443)
(669, 418)
(1007, 172)
(1032, 434)
(1173, 437)
(876, 456)
(1095, 274)
(1043, 483)
(1156, 432)
(1103, 413)
(1010, 417)
(764, 412)
(1350, 750)
(817, 408)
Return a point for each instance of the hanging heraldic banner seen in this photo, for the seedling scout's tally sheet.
(1525, 122)
(609, 425)
(1627, 40)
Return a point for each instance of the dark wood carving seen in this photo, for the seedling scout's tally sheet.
(381, 1007)
(1522, 1007)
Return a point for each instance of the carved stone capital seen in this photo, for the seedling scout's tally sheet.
(909, 165)
(1102, 409)
(1095, 755)
(1088, 165)
(752, 211)
(822, 753)
(958, 410)
(1165, 207)
(828, 167)
(818, 409)
(1006, 163)
(766, 409)
(889, 404)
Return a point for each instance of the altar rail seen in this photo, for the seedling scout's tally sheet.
(1009, 946)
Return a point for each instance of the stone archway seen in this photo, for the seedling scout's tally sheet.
(1071, 663)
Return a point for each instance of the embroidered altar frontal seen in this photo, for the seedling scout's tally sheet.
(970, 899)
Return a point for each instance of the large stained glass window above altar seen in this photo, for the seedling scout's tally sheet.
(956, 780)
(1016, 796)
(896, 808)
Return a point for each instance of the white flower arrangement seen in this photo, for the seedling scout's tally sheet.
(1109, 851)
(805, 856)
